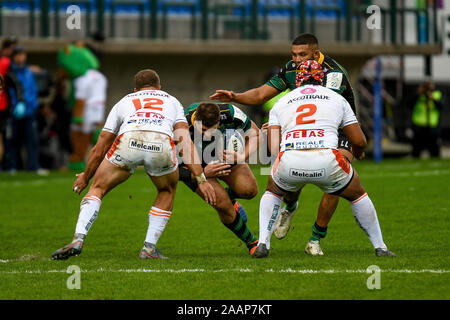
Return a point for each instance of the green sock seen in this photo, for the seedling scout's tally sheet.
(290, 206)
(240, 229)
(318, 232)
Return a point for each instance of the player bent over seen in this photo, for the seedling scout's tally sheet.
(140, 130)
(207, 121)
(306, 122)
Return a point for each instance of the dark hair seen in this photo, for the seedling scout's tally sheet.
(312, 81)
(305, 38)
(208, 113)
(146, 78)
(8, 42)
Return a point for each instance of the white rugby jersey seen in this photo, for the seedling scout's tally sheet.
(146, 110)
(91, 87)
(310, 116)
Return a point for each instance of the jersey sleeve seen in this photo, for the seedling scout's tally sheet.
(279, 81)
(240, 119)
(180, 117)
(348, 116)
(273, 116)
(113, 121)
(338, 81)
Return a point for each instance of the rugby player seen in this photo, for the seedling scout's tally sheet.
(139, 130)
(208, 121)
(88, 113)
(303, 131)
(304, 47)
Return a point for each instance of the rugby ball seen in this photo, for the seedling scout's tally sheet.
(233, 141)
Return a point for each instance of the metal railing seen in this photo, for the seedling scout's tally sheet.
(302, 16)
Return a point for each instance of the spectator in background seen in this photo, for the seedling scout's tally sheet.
(23, 120)
(7, 48)
(426, 106)
(89, 98)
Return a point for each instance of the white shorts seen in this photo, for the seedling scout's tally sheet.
(154, 150)
(326, 168)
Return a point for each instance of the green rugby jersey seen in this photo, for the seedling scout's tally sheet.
(231, 117)
(336, 78)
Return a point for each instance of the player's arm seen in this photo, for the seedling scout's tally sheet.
(274, 139)
(251, 97)
(252, 139)
(357, 138)
(191, 160)
(96, 156)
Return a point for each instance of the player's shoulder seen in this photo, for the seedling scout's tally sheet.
(290, 66)
(191, 108)
(237, 113)
(332, 94)
(331, 65)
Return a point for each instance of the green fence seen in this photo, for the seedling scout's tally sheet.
(204, 14)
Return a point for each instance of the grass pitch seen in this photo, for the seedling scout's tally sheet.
(206, 261)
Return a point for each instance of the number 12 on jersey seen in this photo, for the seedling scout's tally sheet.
(148, 103)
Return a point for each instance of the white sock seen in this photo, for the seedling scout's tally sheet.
(366, 217)
(157, 220)
(89, 207)
(269, 210)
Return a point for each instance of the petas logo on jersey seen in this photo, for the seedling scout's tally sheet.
(308, 91)
(305, 133)
(145, 146)
(300, 173)
(148, 114)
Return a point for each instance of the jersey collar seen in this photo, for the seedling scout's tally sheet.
(321, 58)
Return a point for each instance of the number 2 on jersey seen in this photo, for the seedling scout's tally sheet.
(149, 103)
(305, 111)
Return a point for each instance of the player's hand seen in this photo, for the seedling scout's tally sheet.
(223, 95)
(80, 183)
(232, 157)
(264, 127)
(208, 192)
(215, 170)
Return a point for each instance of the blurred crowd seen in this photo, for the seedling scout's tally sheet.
(48, 121)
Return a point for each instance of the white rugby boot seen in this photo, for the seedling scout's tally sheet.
(313, 248)
(284, 222)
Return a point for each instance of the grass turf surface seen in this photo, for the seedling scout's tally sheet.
(206, 261)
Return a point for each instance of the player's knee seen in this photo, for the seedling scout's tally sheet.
(169, 189)
(249, 192)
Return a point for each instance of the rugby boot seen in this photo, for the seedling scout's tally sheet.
(380, 252)
(313, 248)
(72, 249)
(261, 251)
(284, 222)
(149, 251)
(252, 247)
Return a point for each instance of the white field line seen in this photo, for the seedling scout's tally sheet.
(236, 270)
